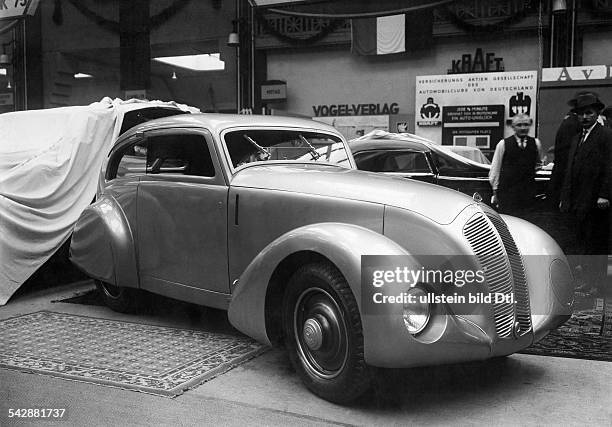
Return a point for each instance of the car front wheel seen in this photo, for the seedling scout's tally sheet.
(323, 333)
(123, 300)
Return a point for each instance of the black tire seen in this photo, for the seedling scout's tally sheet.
(323, 334)
(123, 300)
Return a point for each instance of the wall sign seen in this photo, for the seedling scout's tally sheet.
(479, 63)
(6, 98)
(355, 109)
(274, 90)
(11, 9)
(569, 74)
(499, 96)
(479, 126)
(136, 94)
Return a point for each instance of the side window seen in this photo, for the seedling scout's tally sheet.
(448, 165)
(179, 154)
(129, 161)
(392, 161)
(369, 160)
(411, 161)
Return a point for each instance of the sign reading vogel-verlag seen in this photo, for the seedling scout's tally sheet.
(515, 90)
(11, 9)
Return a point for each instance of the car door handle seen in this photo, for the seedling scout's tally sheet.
(236, 208)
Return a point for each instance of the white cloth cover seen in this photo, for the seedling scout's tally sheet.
(49, 165)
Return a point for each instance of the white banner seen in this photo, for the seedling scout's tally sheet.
(514, 91)
(11, 9)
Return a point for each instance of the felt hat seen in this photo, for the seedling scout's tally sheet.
(586, 99)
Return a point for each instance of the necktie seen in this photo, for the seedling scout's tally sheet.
(522, 143)
(583, 137)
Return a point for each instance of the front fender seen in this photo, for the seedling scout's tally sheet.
(549, 276)
(342, 244)
(102, 244)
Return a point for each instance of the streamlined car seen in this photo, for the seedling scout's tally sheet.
(268, 218)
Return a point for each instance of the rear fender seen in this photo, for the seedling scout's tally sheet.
(103, 245)
(342, 244)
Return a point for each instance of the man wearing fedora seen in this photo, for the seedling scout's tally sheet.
(586, 189)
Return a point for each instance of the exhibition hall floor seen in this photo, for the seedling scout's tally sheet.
(521, 390)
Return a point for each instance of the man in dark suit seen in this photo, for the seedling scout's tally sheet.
(569, 128)
(513, 169)
(586, 189)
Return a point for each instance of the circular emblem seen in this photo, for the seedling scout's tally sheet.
(312, 334)
(477, 197)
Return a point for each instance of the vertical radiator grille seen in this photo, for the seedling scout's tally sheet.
(498, 255)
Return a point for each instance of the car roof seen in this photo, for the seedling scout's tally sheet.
(386, 144)
(216, 123)
(383, 140)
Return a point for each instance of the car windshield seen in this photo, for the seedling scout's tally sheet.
(248, 145)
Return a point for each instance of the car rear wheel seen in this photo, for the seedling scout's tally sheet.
(323, 333)
(123, 300)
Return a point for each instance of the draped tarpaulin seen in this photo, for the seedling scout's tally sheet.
(49, 166)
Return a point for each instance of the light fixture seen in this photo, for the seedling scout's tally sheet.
(4, 59)
(201, 62)
(82, 76)
(8, 86)
(3, 72)
(559, 6)
(174, 75)
(233, 40)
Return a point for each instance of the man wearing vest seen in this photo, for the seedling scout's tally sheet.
(586, 189)
(513, 169)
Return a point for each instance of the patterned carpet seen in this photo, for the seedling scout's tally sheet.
(152, 359)
(579, 338)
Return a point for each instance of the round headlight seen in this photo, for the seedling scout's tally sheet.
(416, 310)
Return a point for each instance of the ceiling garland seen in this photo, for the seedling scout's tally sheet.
(113, 26)
(450, 15)
(333, 25)
(446, 12)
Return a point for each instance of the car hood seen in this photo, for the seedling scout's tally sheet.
(437, 203)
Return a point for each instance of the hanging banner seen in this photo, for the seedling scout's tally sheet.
(265, 3)
(442, 114)
(11, 9)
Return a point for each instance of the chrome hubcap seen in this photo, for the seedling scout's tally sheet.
(320, 333)
(313, 334)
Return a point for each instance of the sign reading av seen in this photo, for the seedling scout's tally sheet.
(11, 9)
(355, 109)
(568, 74)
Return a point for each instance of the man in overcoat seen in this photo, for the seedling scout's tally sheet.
(586, 189)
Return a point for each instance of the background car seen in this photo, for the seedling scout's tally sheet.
(410, 156)
(268, 218)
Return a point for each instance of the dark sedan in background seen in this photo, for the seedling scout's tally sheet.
(409, 156)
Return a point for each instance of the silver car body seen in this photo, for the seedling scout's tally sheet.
(232, 241)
